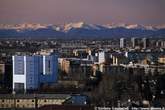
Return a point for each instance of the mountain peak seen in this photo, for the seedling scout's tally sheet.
(73, 25)
(23, 26)
(80, 29)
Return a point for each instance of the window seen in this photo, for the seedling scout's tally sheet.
(17, 100)
(19, 86)
(48, 67)
(49, 64)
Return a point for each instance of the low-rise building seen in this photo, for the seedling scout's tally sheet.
(75, 66)
(6, 101)
(6, 76)
(119, 59)
(2, 68)
(25, 102)
(31, 100)
(161, 59)
(53, 99)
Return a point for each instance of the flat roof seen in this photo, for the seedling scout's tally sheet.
(32, 96)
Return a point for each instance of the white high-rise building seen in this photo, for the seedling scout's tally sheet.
(135, 42)
(145, 43)
(122, 42)
(101, 57)
(30, 71)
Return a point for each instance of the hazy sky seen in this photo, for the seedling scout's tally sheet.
(150, 12)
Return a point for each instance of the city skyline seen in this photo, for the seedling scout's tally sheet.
(82, 54)
(147, 12)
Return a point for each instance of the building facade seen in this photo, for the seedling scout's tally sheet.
(30, 71)
(101, 57)
(29, 101)
(145, 43)
(122, 43)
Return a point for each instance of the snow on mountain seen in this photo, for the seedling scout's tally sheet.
(79, 25)
(113, 25)
(160, 26)
(23, 26)
(73, 25)
(137, 26)
(130, 26)
(81, 30)
(76, 25)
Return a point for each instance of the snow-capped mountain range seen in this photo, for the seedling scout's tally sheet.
(80, 30)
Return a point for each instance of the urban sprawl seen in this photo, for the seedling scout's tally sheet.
(54, 74)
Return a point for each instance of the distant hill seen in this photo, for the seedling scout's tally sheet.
(79, 30)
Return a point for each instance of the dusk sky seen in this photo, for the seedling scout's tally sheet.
(147, 12)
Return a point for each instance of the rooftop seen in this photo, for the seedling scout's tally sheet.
(31, 96)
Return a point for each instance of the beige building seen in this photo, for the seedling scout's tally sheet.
(161, 59)
(2, 68)
(65, 65)
(53, 99)
(24, 101)
(6, 101)
(31, 100)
